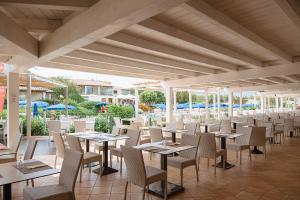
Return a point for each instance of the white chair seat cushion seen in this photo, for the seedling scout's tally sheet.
(48, 192)
(180, 162)
(154, 174)
(90, 157)
(237, 147)
(116, 152)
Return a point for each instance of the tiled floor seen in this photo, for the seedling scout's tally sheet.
(277, 178)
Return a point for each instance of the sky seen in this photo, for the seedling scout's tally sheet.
(115, 80)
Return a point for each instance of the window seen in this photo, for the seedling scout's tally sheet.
(106, 90)
(89, 90)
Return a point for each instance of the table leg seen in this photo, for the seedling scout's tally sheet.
(206, 128)
(159, 187)
(256, 151)
(173, 136)
(87, 145)
(220, 164)
(7, 192)
(106, 169)
(234, 125)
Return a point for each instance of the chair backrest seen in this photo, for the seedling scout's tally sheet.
(70, 168)
(74, 143)
(16, 142)
(117, 121)
(288, 125)
(269, 129)
(258, 136)
(30, 149)
(135, 165)
(191, 127)
(192, 140)
(245, 138)
(225, 126)
(180, 124)
(207, 146)
(156, 134)
(54, 126)
(80, 126)
(59, 144)
(115, 130)
(134, 136)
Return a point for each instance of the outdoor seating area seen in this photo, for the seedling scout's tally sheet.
(150, 99)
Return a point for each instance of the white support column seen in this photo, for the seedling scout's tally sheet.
(241, 102)
(28, 106)
(294, 106)
(230, 110)
(190, 102)
(269, 103)
(174, 100)
(136, 102)
(219, 103)
(277, 103)
(262, 103)
(281, 104)
(66, 100)
(169, 104)
(99, 90)
(12, 107)
(214, 103)
(206, 105)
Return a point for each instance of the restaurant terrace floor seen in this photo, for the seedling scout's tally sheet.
(276, 178)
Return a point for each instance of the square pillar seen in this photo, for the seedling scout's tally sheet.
(230, 110)
(169, 104)
(28, 106)
(262, 103)
(136, 102)
(12, 107)
(219, 103)
(66, 100)
(174, 100)
(206, 105)
(190, 102)
(214, 104)
(281, 104)
(241, 102)
(277, 103)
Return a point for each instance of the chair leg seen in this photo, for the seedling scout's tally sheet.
(110, 159)
(250, 154)
(265, 152)
(215, 166)
(32, 182)
(121, 160)
(126, 186)
(166, 188)
(207, 162)
(197, 172)
(144, 189)
(90, 167)
(101, 167)
(55, 161)
(237, 155)
(80, 175)
(240, 157)
(181, 177)
(198, 163)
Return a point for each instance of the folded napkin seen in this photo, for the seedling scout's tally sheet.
(36, 166)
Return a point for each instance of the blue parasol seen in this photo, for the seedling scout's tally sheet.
(61, 107)
(35, 110)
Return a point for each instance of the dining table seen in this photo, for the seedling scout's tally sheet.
(101, 138)
(224, 137)
(164, 149)
(13, 172)
(206, 125)
(174, 132)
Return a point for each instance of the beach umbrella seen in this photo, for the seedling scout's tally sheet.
(61, 107)
(100, 104)
(198, 105)
(159, 105)
(182, 106)
(39, 104)
(35, 110)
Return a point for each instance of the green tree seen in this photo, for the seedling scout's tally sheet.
(151, 97)
(73, 89)
(182, 97)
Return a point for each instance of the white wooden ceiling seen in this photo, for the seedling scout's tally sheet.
(186, 44)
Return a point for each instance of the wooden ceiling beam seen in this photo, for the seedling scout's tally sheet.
(280, 70)
(210, 14)
(289, 11)
(15, 35)
(50, 4)
(110, 50)
(97, 70)
(93, 64)
(168, 52)
(38, 24)
(152, 25)
(128, 63)
(104, 18)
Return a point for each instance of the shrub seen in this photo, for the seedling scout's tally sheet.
(91, 105)
(120, 111)
(38, 127)
(81, 112)
(72, 128)
(103, 123)
(3, 114)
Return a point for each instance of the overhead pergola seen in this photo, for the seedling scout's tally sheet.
(186, 44)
